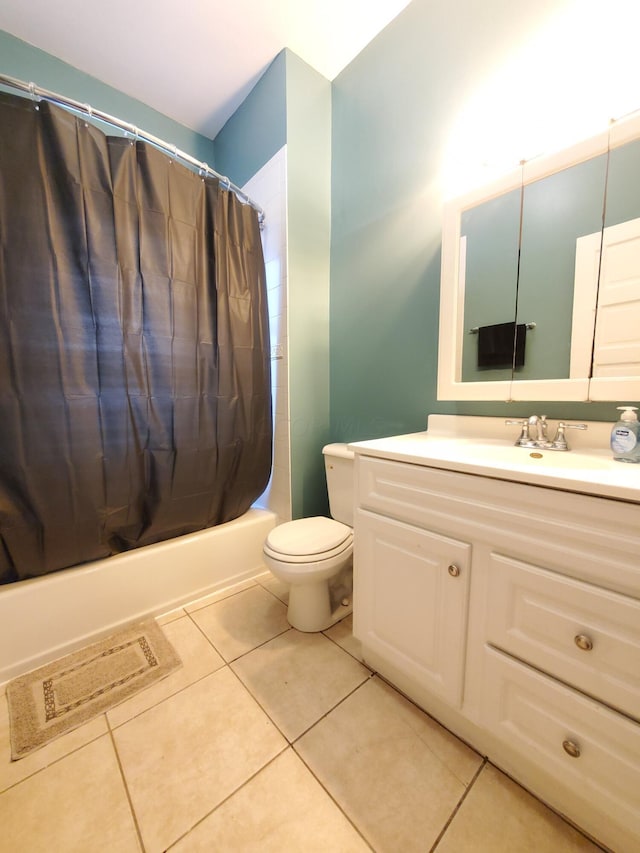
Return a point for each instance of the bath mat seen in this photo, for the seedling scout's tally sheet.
(60, 696)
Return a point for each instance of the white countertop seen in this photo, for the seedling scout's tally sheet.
(485, 446)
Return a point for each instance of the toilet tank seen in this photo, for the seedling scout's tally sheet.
(339, 467)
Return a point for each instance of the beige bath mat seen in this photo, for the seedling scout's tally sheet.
(58, 697)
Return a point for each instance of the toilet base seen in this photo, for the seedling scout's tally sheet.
(310, 607)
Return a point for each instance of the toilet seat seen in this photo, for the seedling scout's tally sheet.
(308, 540)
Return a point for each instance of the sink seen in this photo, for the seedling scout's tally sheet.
(499, 453)
(476, 450)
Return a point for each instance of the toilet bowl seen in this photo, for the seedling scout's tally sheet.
(310, 553)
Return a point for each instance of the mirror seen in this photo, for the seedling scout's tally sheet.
(489, 241)
(521, 258)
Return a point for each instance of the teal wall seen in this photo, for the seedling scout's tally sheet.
(292, 104)
(309, 246)
(257, 129)
(393, 109)
(28, 63)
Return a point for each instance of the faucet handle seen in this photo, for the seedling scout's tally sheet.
(524, 435)
(560, 441)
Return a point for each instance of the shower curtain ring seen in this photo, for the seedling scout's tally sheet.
(34, 96)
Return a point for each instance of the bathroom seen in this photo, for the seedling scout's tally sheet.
(369, 159)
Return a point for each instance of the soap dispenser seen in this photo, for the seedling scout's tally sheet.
(625, 436)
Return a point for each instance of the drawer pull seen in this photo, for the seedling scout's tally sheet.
(454, 570)
(583, 642)
(571, 748)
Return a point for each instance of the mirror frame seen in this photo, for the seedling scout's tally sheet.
(451, 329)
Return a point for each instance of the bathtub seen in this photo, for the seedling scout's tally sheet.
(45, 618)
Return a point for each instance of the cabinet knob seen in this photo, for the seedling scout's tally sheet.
(571, 748)
(583, 642)
(454, 570)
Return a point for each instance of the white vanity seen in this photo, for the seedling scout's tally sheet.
(499, 588)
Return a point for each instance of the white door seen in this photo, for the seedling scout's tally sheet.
(411, 590)
(606, 312)
(616, 349)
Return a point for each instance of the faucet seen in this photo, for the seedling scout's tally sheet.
(540, 424)
(535, 422)
(541, 441)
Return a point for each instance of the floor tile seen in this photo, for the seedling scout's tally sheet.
(198, 658)
(240, 623)
(283, 808)
(498, 814)
(297, 678)
(14, 771)
(76, 805)
(380, 759)
(186, 755)
(342, 634)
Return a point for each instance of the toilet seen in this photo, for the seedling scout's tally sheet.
(315, 555)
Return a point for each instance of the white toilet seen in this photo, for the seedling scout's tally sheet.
(315, 555)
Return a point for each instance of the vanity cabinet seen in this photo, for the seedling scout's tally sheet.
(413, 607)
(511, 612)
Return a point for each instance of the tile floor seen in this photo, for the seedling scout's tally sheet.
(265, 740)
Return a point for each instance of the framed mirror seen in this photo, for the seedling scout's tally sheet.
(523, 257)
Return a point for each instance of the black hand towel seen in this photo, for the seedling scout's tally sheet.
(496, 343)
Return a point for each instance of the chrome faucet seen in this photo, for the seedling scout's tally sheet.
(541, 441)
(540, 424)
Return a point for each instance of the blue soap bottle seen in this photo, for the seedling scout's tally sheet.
(625, 436)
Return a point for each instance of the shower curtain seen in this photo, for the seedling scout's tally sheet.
(135, 398)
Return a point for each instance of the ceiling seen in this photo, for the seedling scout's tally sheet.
(195, 60)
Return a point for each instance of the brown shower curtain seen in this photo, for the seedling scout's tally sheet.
(135, 396)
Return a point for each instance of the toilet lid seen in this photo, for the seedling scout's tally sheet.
(307, 536)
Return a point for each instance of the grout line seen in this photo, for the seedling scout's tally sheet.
(126, 787)
(333, 708)
(275, 595)
(207, 638)
(260, 705)
(331, 797)
(160, 701)
(263, 643)
(551, 808)
(326, 634)
(228, 797)
(60, 758)
(459, 804)
(291, 742)
(431, 717)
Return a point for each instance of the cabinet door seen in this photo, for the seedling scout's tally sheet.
(411, 590)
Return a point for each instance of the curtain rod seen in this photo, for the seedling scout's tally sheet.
(38, 94)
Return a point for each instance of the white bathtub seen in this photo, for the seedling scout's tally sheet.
(45, 618)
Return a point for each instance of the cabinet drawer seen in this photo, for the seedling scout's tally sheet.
(586, 636)
(411, 589)
(591, 750)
